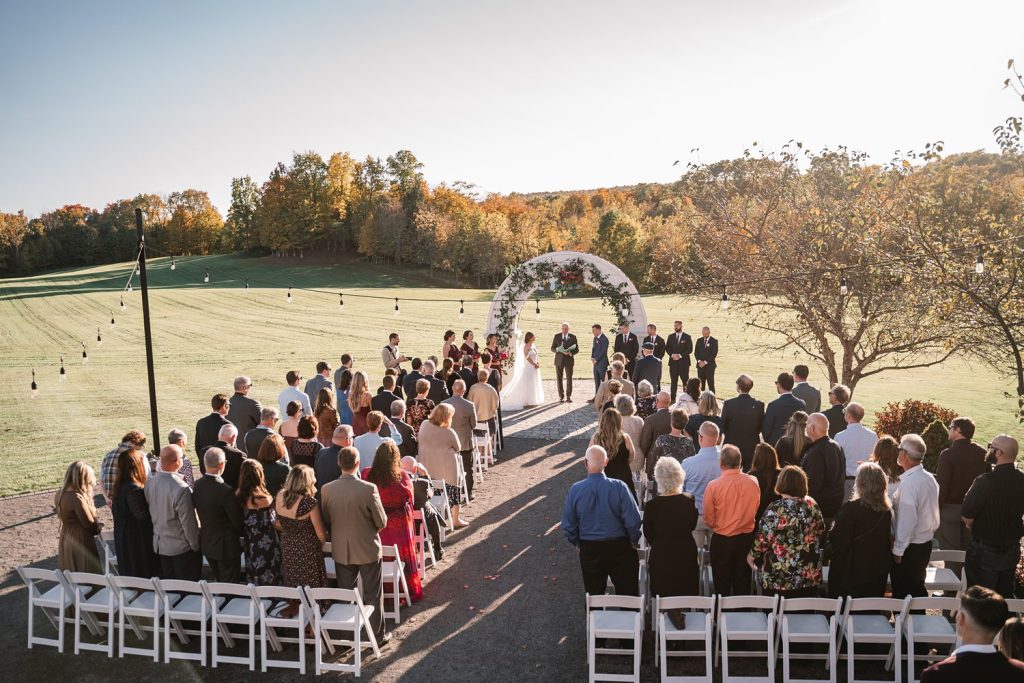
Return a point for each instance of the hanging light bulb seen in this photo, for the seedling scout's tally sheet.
(396, 307)
(289, 295)
(99, 338)
(129, 287)
(35, 387)
(206, 277)
(725, 299)
(462, 309)
(246, 285)
(112, 323)
(844, 288)
(123, 307)
(538, 309)
(85, 355)
(174, 264)
(979, 265)
(341, 301)
(63, 372)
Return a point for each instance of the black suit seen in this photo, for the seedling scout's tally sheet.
(207, 432)
(777, 414)
(220, 519)
(659, 345)
(679, 343)
(706, 351)
(836, 419)
(742, 417)
(564, 362)
(382, 402)
(630, 348)
(975, 666)
(244, 413)
(409, 383)
(648, 368)
(438, 390)
(468, 376)
(409, 445)
(233, 464)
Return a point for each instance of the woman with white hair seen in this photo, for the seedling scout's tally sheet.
(645, 399)
(669, 521)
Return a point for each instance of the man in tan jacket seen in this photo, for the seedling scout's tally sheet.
(604, 394)
(352, 510)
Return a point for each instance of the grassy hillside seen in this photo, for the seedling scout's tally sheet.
(206, 334)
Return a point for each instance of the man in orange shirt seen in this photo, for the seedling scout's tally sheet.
(730, 503)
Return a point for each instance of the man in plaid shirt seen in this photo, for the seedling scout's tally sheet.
(108, 468)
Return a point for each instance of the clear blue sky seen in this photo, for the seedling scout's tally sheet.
(103, 100)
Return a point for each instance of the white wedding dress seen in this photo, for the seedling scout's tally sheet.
(525, 388)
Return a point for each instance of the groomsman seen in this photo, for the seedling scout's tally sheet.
(654, 338)
(679, 347)
(706, 352)
(599, 357)
(627, 344)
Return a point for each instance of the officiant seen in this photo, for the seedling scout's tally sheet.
(565, 347)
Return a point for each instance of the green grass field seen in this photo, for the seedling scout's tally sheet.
(206, 334)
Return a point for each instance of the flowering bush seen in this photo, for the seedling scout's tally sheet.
(910, 417)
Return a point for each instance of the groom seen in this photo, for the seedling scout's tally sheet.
(564, 346)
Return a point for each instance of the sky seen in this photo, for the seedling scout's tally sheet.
(103, 100)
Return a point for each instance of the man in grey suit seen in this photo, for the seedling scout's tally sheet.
(352, 510)
(243, 411)
(464, 422)
(804, 391)
(321, 380)
(175, 529)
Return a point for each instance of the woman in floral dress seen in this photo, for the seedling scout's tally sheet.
(645, 399)
(262, 545)
(787, 542)
(418, 408)
(677, 445)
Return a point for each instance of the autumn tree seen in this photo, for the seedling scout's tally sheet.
(13, 231)
(195, 226)
(240, 228)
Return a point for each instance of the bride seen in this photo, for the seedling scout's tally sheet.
(525, 389)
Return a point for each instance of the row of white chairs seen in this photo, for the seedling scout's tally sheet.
(111, 606)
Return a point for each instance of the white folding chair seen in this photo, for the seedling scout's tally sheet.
(866, 621)
(481, 450)
(614, 616)
(53, 600)
(137, 599)
(747, 618)
(932, 629)
(940, 579)
(184, 602)
(440, 501)
(424, 547)
(809, 620)
(330, 568)
(707, 581)
(272, 600)
(109, 552)
(346, 613)
(463, 486)
(698, 625)
(92, 597)
(395, 586)
(232, 604)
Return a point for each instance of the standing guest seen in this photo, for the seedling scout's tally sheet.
(449, 373)
(565, 347)
(614, 389)
(303, 450)
(617, 370)
(255, 437)
(1010, 640)
(485, 401)
(464, 422)
(220, 519)
(778, 412)
(347, 363)
(644, 399)
(273, 456)
(470, 348)
(657, 423)
(359, 401)
(992, 510)
(707, 411)
(632, 426)
(175, 529)
(438, 390)
(76, 548)
(765, 468)
(793, 443)
(344, 387)
(982, 613)
(262, 545)
(467, 374)
(627, 344)
(326, 414)
(439, 451)
(419, 408)
(396, 495)
(293, 393)
(676, 445)
(244, 412)
(788, 542)
(598, 357)
(318, 382)
(133, 527)
(704, 467)
(859, 538)
(706, 354)
(612, 439)
(742, 417)
(226, 438)
(290, 427)
(601, 519)
(108, 466)
(177, 437)
(393, 358)
(679, 346)
(648, 367)
(325, 465)
(804, 391)
(858, 443)
(409, 382)
(208, 428)
(668, 526)
(408, 445)
(959, 466)
(385, 396)
(302, 534)
(687, 399)
(887, 454)
(354, 513)
(654, 338)
(917, 518)
(368, 443)
(449, 350)
(825, 466)
(730, 503)
(838, 397)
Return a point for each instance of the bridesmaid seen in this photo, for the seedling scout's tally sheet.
(78, 525)
(495, 353)
(469, 346)
(449, 349)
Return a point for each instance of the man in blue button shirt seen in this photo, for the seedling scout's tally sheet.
(602, 520)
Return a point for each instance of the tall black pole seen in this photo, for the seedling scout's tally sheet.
(149, 332)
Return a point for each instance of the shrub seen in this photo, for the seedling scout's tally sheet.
(910, 417)
(936, 438)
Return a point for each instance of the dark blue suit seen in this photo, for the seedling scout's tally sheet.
(599, 352)
(777, 414)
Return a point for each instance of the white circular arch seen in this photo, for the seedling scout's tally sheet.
(612, 274)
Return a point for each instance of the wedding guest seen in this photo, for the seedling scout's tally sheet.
(175, 529)
(220, 519)
(705, 466)
(485, 400)
(742, 417)
(273, 455)
(825, 466)
(886, 453)
(319, 382)
(344, 388)
(959, 466)
(765, 468)
(804, 391)
(467, 374)
(368, 443)
(438, 390)
(794, 442)
(614, 388)
(679, 346)
(385, 396)
(208, 428)
(778, 412)
(262, 545)
(177, 437)
(705, 352)
(632, 426)
(133, 527)
(464, 422)
(359, 401)
(325, 465)
(108, 466)
(449, 373)
(787, 546)
(423, 491)
(647, 367)
(730, 503)
(301, 532)
(859, 538)
(226, 442)
(303, 450)
(707, 411)
(644, 399)
(244, 412)
(293, 393)
(76, 547)
(603, 395)
(668, 524)
(419, 408)
(1010, 640)
(627, 344)
(612, 439)
(254, 438)
(408, 445)
(412, 378)
(439, 451)
(857, 441)
(917, 517)
(347, 363)
(326, 414)
(658, 423)
(687, 399)
(617, 357)
(676, 445)
(838, 397)
(290, 428)
(449, 350)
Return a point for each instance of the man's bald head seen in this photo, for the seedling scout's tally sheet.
(170, 458)
(597, 458)
(817, 426)
(663, 400)
(408, 464)
(1008, 448)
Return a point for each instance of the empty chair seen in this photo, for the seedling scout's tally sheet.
(53, 600)
(184, 602)
(940, 579)
(931, 629)
(346, 613)
(440, 501)
(809, 620)
(106, 540)
(614, 617)
(747, 618)
(137, 603)
(271, 601)
(698, 626)
(93, 597)
(232, 604)
(424, 546)
(867, 621)
(395, 586)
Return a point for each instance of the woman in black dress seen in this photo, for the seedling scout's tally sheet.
(707, 411)
(262, 545)
(669, 521)
(618, 445)
(133, 527)
(303, 450)
(861, 550)
(791, 446)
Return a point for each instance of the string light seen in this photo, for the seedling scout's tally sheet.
(85, 355)
(462, 309)
(99, 338)
(174, 264)
(538, 308)
(725, 299)
(63, 372)
(844, 288)
(129, 287)
(341, 302)
(112, 323)
(206, 277)
(123, 307)
(979, 265)
(289, 295)
(35, 387)
(247, 285)
(396, 307)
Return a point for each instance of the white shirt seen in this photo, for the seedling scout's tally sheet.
(858, 442)
(701, 469)
(981, 649)
(368, 443)
(293, 394)
(916, 505)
